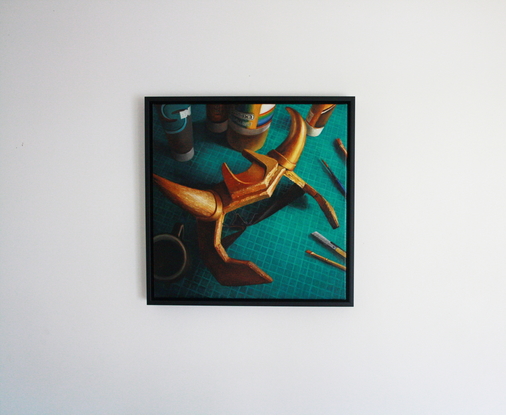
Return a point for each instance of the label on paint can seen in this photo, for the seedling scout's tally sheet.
(251, 119)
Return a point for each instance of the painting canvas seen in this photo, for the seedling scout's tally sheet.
(249, 200)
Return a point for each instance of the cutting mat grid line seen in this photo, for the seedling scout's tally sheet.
(277, 244)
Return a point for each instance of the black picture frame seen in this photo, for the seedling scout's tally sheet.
(222, 244)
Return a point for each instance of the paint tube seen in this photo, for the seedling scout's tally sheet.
(317, 117)
(217, 117)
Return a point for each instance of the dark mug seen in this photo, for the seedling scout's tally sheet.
(171, 260)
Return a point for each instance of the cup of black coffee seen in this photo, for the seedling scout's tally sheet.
(171, 260)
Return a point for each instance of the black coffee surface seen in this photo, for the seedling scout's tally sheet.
(167, 258)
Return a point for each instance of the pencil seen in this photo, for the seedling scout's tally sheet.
(342, 147)
(339, 185)
(326, 260)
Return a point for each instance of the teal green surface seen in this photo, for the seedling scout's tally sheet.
(277, 244)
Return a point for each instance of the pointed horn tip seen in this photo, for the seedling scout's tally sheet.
(164, 184)
(295, 115)
(203, 204)
(288, 152)
(161, 182)
(158, 179)
(297, 123)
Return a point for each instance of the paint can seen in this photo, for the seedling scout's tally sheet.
(176, 121)
(249, 125)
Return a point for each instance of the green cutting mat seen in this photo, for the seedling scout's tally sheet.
(277, 244)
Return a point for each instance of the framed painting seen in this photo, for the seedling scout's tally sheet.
(249, 200)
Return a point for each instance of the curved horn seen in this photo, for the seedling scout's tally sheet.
(288, 152)
(203, 204)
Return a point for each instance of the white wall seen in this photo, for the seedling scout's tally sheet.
(427, 334)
